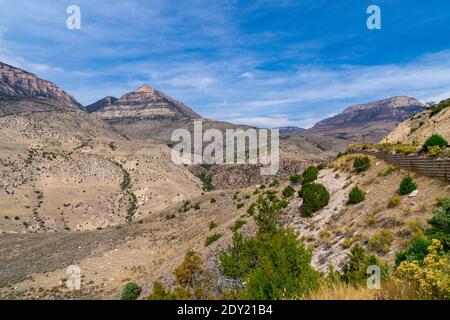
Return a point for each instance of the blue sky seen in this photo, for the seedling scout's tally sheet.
(264, 62)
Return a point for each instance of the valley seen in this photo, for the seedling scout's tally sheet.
(96, 187)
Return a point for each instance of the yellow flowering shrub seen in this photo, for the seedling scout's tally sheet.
(432, 279)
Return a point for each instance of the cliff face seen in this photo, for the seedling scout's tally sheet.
(17, 84)
(145, 103)
(369, 122)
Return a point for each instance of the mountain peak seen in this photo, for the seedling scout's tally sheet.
(145, 88)
(143, 103)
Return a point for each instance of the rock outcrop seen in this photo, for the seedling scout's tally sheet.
(17, 84)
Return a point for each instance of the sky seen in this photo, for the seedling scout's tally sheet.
(265, 63)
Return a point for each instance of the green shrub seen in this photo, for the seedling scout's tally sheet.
(315, 197)
(274, 184)
(361, 163)
(251, 209)
(160, 293)
(356, 196)
(355, 271)
(407, 185)
(239, 205)
(436, 108)
(381, 242)
(238, 224)
(207, 182)
(212, 200)
(295, 179)
(417, 250)
(131, 291)
(435, 140)
(310, 175)
(288, 192)
(212, 238)
(440, 225)
(275, 265)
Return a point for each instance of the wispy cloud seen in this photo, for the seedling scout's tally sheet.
(252, 63)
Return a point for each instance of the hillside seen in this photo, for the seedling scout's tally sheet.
(420, 127)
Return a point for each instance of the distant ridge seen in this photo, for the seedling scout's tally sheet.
(368, 122)
(100, 104)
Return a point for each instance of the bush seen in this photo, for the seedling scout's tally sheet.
(274, 184)
(407, 185)
(435, 151)
(361, 163)
(275, 265)
(310, 175)
(436, 108)
(417, 250)
(355, 271)
(238, 224)
(207, 182)
(131, 291)
(440, 225)
(435, 140)
(431, 279)
(251, 209)
(381, 242)
(288, 192)
(356, 196)
(394, 201)
(295, 179)
(160, 293)
(315, 197)
(212, 238)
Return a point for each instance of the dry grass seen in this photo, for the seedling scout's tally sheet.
(343, 291)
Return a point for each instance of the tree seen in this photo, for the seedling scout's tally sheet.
(435, 140)
(131, 291)
(160, 293)
(315, 197)
(310, 175)
(356, 196)
(407, 185)
(355, 271)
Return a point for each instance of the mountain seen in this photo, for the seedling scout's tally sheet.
(27, 92)
(100, 104)
(289, 130)
(368, 122)
(416, 129)
(145, 103)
